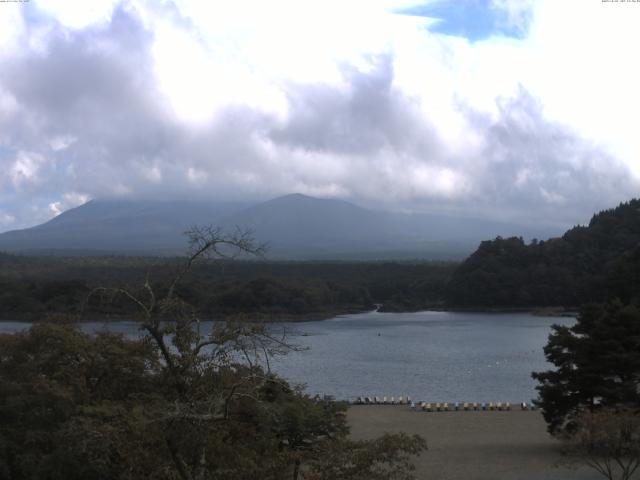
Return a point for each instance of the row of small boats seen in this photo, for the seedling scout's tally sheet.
(468, 406)
(443, 406)
(383, 401)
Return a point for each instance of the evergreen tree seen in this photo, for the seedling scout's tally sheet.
(597, 364)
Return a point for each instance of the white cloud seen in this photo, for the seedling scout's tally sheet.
(153, 173)
(331, 98)
(6, 219)
(518, 13)
(74, 199)
(584, 72)
(78, 13)
(552, 198)
(196, 176)
(25, 169)
(69, 200)
(11, 27)
(55, 208)
(434, 182)
(61, 142)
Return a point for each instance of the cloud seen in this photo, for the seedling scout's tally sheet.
(25, 170)
(362, 117)
(369, 137)
(149, 100)
(6, 220)
(78, 13)
(69, 200)
(530, 165)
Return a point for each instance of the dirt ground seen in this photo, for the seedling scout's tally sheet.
(483, 445)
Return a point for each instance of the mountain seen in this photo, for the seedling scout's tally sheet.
(298, 226)
(109, 226)
(295, 227)
(587, 264)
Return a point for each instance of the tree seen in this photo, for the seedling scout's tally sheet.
(597, 364)
(178, 403)
(384, 458)
(608, 441)
(70, 404)
(588, 263)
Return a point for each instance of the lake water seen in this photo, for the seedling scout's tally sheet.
(432, 356)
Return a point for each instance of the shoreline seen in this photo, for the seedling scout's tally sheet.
(252, 317)
(545, 311)
(312, 317)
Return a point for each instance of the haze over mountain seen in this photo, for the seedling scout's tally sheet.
(295, 226)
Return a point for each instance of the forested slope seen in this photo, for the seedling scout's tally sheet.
(588, 263)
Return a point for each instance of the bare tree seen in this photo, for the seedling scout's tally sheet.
(219, 412)
(206, 371)
(608, 441)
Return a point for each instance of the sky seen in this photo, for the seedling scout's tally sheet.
(520, 110)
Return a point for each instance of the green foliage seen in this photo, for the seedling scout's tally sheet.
(586, 264)
(35, 287)
(597, 364)
(63, 395)
(285, 296)
(623, 278)
(385, 458)
(104, 407)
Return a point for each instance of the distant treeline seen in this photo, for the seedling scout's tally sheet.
(41, 287)
(587, 264)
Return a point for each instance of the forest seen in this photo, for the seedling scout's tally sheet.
(587, 264)
(33, 288)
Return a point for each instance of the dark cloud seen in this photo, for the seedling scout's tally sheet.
(366, 116)
(541, 169)
(91, 89)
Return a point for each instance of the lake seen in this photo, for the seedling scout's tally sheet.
(432, 356)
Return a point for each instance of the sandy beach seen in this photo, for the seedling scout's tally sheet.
(496, 445)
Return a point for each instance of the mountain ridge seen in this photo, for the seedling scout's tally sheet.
(296, 226)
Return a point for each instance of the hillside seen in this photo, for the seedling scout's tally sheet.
(109, 226)
(295, 227)
(588, 263)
